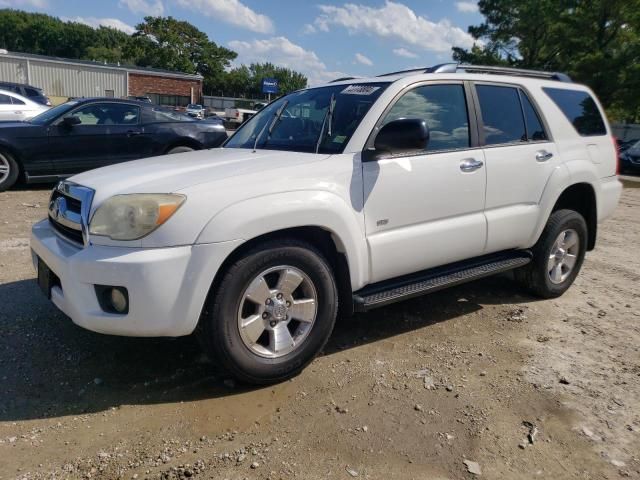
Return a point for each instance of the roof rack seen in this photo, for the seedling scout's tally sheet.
(459, 67)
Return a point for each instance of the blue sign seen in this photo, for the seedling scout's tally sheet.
(269, 85)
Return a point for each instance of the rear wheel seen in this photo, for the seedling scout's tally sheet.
(9, 171)
(272, 313)
(558, 255)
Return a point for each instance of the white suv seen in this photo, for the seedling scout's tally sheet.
(353, 194)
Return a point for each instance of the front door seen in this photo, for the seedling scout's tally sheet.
(426, 209)
(106, 134)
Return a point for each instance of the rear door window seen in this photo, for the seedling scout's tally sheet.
(580, 109)
(5, 99)
(17, 101)
(535, 130)
(501, 114)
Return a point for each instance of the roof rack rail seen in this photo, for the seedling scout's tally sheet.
(459, 67)
(521, 72)
(342, 79)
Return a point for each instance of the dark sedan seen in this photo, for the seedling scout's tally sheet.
(630, 158)
(85, 134)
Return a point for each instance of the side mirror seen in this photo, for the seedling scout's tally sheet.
(405, 135)
(70, 121)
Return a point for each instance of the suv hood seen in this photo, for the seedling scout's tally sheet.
(172, 173)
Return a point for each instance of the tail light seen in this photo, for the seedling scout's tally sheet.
(615, 149)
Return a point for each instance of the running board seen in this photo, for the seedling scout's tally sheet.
(434, 279)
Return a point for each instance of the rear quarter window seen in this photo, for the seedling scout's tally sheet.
(580, 109)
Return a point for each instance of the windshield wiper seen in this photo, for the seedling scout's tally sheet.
(272, 125)
(328, 118)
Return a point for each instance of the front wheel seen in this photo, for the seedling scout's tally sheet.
(9, 171)
(558, 255)
(272, 313)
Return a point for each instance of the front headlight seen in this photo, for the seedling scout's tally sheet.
(130, 217)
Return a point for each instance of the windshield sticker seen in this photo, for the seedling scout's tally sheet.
(339, 139)
(359, 90)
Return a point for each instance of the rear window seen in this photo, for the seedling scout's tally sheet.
(580, 109)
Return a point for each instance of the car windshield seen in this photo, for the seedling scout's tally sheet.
(194, 107)
(305, 124)
(165, 115)
(635, 148)
(53, 113)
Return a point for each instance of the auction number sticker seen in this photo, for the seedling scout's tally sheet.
(359, 90)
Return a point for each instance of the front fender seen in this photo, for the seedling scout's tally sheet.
(257, 216)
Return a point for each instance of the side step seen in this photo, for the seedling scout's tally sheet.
(427, 281)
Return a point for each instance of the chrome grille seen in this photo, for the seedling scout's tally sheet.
(69, 207)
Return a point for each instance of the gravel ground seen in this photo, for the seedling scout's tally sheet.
(479, 379)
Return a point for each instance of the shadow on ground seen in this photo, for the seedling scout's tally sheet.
(50, 368)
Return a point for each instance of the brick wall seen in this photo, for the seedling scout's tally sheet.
(140, 84)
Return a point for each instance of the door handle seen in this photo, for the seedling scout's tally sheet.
(470, 165)
(543, 155)
(133, 133)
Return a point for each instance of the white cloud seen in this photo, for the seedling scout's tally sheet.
(154, 8)
(363, 60)
(308, 29)
(394, 20)
(281, 51)
(403, 52)
(24, 3)
(102, 22)
(231, 11)
(467, 7)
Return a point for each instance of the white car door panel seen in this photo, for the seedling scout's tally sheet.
(426, 210)
(520, 159)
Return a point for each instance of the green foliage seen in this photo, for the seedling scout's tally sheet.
(597, 42)
(247, 81)
(159, 42)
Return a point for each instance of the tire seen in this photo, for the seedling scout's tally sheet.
(556, 261)
(9, 171)
(181, 149)
(232, 338)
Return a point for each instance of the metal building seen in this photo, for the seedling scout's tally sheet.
(62, 78)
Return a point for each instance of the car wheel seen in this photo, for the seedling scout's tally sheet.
(557, 256)
(181, 149)
(272, 312)
(9, 171)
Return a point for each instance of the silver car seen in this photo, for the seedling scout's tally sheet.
(14, 107)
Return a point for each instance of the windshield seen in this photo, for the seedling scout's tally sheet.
(161, 114)
(53, 113)
(191, 106)
(300, 127)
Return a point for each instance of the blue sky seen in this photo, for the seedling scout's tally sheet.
(323, 39)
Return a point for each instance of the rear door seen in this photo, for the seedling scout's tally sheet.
(426, 209)
(7, 112)
(520, 157)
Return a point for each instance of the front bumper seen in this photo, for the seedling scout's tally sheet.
(167, 286)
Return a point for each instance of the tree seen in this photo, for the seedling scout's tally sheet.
(596, 42)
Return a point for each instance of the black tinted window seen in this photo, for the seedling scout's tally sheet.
(535, 130)
(443, 108)
(501, 114)
(580, 109)
(5, 99)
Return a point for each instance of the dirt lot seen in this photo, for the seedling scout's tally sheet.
(482, 372)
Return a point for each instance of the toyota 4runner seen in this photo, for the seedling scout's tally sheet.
(355, 194)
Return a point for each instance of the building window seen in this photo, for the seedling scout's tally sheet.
(173, 100)
(109, 93)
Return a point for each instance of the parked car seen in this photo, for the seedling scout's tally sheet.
(89, 133)
(14, 107)
(237, 116)
(358, 193)
(195, 110)
(630, 158)
(34, 94)
(140, 98)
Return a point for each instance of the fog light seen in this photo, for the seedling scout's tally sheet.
(119, 300)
